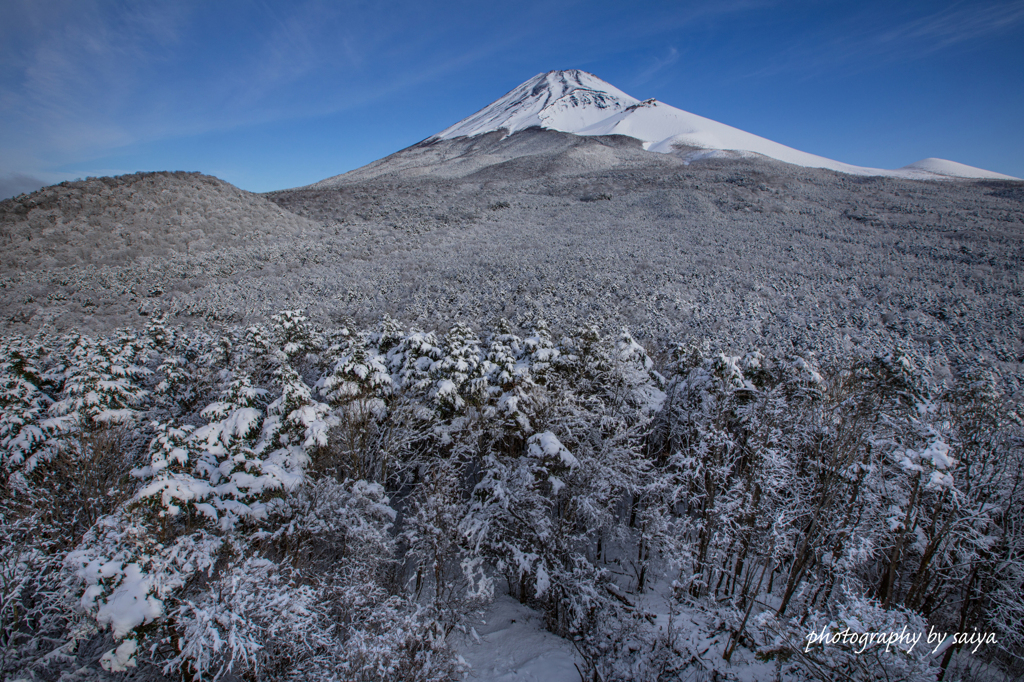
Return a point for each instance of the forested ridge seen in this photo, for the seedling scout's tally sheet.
(285, 501)
(581, 230)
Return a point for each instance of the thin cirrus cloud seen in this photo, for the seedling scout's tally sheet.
(864, 41)
(956, 25)
(74, 68)
(659, 64)
(96, 80)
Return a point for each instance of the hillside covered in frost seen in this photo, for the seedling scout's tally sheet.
(575, 230)
(285, 501)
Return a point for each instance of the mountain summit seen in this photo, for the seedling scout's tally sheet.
(567, 101)
(580, 103)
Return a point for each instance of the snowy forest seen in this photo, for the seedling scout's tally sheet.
(284, 501)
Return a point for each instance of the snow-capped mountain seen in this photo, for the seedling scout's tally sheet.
(567, 101)
(580, 103)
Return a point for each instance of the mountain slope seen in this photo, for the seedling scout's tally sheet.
(577, 102)
(550, 153)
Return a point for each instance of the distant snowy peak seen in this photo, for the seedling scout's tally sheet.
(577, 102)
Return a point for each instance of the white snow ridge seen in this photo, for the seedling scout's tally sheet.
(580, 103)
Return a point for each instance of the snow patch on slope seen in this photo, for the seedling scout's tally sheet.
(580, 103)
(664, 129)
(955, 170)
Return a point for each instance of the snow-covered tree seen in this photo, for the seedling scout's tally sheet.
(100, 381)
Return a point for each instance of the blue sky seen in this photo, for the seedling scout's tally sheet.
(269, 95)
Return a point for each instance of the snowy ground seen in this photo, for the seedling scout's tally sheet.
(507, 642)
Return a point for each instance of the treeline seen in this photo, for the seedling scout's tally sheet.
(287, 502)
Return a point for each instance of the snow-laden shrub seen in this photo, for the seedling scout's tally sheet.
(37, 624)
(339, 535)
(28, 435)
(307, 588)
(535, 519)
(100, 380)
(255, 619)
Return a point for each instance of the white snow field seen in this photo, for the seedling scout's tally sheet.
(580, 103)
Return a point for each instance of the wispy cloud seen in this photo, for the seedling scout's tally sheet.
(861, 41)
(66, 82)
(96, 78)
(659, 63)
(959, 23)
